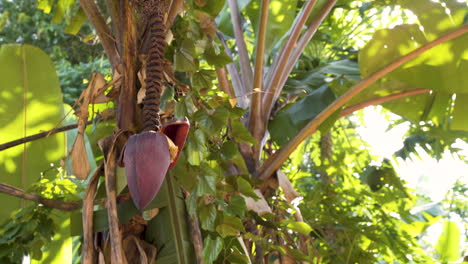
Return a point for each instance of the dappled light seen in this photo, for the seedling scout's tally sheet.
(233, 131)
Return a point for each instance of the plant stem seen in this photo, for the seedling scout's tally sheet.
(376, 101)
(277, 70)
(255, 119)
(245, 67)
(277, 159)
(302, 43)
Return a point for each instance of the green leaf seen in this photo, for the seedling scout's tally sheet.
(211, 249)
(45, 5)
(448, 245)
(240, 132)
(459, 121)
(238, 256)
(76, 22)
(30, 102)
(440, 69)
(245, 188)
(207, 214)
(229, 226)
(184, 57)
(203, 79)
(436, 18)
(180, 110)
(207, 181)
(174, 244)
(59, 250)
(290, 120)
(229, 150)
(300, 227)
(61, 8)
(217, 60)
(196, 148)
(236, 206)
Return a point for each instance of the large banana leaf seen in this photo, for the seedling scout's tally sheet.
(174, 243)
(30, 102)
(441, 69)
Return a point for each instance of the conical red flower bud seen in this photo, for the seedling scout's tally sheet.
(147, 158)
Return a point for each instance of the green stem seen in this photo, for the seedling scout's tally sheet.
(278, 68)
(255, 120)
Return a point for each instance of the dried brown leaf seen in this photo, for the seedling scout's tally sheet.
(138, 251)
(80, 163)
(206, 23)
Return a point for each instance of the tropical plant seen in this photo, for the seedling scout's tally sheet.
(254, 183)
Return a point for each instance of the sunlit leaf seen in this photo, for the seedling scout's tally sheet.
(448, 245)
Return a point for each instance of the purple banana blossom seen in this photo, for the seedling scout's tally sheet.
(148, 156)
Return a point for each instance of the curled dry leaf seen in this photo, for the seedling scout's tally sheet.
(260, 206)
(80, 163)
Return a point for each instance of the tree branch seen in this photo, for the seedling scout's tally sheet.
(255, 118)
(277, 159)
(103, 31)
(381, 100)
(245, 67)
(60, 205)
(39, 135)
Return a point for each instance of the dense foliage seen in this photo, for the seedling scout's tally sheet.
(331, 201)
